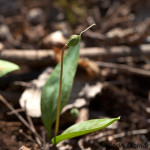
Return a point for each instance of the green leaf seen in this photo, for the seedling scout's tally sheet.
(84, 128)
(6, 67)
(50, 90)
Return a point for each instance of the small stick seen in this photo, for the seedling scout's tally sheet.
(87, 28)
(44, 139)
(37, 136)
(123, 134)
(125, 68)
(17, 114)
(25, 135)
(18, 110)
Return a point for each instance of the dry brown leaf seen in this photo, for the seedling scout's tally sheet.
(90, 67)
(31, 97)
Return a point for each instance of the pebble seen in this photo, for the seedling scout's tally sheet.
(5, 33)
(54, 39)
(35, 16)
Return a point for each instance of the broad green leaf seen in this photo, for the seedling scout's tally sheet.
(6, 67)
(84, 128)
(50, 90)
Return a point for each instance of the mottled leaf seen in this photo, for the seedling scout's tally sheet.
(50, 90)
(84, 128)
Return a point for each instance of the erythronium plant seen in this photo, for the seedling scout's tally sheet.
(56, 92)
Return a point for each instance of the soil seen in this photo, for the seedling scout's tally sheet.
(127, 93)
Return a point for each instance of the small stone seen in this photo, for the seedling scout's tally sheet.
(35, 16)
(54, 39)
(5, 33)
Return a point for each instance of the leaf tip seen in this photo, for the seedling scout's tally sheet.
(17, 68)
(119, 117)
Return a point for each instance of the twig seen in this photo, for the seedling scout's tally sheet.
(80, 144)
(129, 133)
(123, 134)
(83, 115)
(44, 139)
(108, 135)
(37, 136)
(46, 146)
(125, 68)
(18, 110)
(43, 57)
(87, 28)
(25, 135)
(18, 115)
(15, 112)
(9, 123)
(98, 136)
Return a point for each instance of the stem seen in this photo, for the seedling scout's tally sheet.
(88, 28)
(60, 89)
(59, 97)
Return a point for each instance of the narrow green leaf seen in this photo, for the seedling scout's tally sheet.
(50, 90)
(6, 67)
(84, 128)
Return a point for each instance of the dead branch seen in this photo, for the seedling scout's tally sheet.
(129, 133)
(109, 136)
(25, 135)
(125, 68)
(28, 57)
(37, 136)
(40, 58)
(18, 115)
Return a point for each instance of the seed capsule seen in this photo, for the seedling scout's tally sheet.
(73, 40)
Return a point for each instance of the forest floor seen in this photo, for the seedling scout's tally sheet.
(112, 79)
